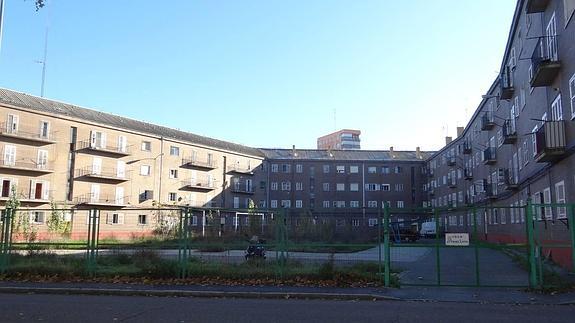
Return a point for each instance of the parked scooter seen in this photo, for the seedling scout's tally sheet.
(256, 249)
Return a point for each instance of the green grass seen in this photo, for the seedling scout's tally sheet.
(149, 265)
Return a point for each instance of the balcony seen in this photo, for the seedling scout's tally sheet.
(102, 200)
(534, 6)
(451, 161)
(431, 192)
(108, 150)
(26, 166)
(506, 84)
(30, 198)
(511, 178)
(198, 185)
(104, 174)
(550, 141)
(489, 189)
(430, 172)
(509, 132)
(240, 169)
(197, 164)
(487, 121)
(468, 174)
(451, 182)
(545, 62)
(27, 134)
(490, 156)
(466, 147)
(242, 189)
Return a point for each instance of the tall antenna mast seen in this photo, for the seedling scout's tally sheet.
(1, 20)
(44, 62)
(334, 119)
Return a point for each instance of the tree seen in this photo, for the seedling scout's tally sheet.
(39, 4)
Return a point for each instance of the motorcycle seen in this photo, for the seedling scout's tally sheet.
(256, 250)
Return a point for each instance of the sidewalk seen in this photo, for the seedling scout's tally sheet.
(428, 294)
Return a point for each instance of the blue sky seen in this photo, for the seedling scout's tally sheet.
(266, 73)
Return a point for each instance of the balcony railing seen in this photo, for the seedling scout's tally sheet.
(27, 197)
(545, 62)
(468, 173)
(533, 6)
(200, 185)
(489, 189)
(191, 162)
(509, 132)
(466, 147)
(26, 166)
(451, 182)
(103, 174)
(487, 121)
(431, 191)
(242, 189)
(102, 200)
(240, 169)
(490, 155)
(511, 178)
(506, 84)
(451, 161)
(87, 145)
(26, 134)
(550, 141)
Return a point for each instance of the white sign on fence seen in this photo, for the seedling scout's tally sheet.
(457, 239)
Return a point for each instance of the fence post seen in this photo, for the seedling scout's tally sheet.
(6, 246)
(380, 224)
(183, 249)
(387, 246)
(437, 242)
(571, 210)
(531, 245)
(476, 247)
(281, 237)
(93, 235)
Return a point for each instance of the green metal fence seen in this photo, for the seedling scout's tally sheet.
(483, 246)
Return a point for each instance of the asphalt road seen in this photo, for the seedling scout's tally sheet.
(75, 308)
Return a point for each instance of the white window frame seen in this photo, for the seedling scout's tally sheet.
(572, 95)
(560, 198)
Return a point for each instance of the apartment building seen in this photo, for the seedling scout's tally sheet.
(345, 139)
(519, 143)
(328, 179)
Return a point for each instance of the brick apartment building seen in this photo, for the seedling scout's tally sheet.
(345, 139)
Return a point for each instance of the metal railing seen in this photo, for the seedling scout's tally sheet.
(29, 165)
(112, 149)
(103, 173)
(26, 133)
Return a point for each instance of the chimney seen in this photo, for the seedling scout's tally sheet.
(418, 153)
(391, 152)
(448, 140)
(293, 152)
(459, 131)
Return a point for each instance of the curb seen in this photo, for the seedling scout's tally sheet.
(192, 293)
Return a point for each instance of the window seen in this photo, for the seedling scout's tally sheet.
(325, 169)
(274, 204)
(115, 218)
(525, 153)
(560, 198)
(12, 123)
(274, 186)
(37, 217)
(44, 129)
(97, 139)
(326, 204)
(299, 186)
(286, 186)
(372, 204)
(353, 203)
(173, 173)
(385, 187)
(385, 170)
(172, 197)
(286, 203)
(399, 187)
(326, 187)
(275, 168)
(400, 204)
(547, 200)
(286, 168)
(340, 169)
(572, 95)
(174, 151)
(355, 222)
(145, 170)
(146, 146)
(142, 219)
(340, 187)
(372, 222)
(236, 202)
(298, 204)
(398, 169)
(557, 109)
(263, 185)
(353, 169)
(299, 168)
(512, 60)
(354, 187)
(371, 187)
(338, 204)
(373, 169)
